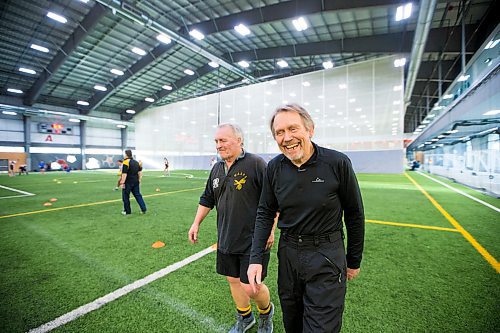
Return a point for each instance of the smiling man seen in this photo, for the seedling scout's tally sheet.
(312, 187)
(234, 187)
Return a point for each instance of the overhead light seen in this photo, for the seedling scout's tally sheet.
(130, 111)
(222, 85)
(491, 113)
(491, 44)
(397, 88)
(121, 126)
(213, 64)
(327, 64)
(242, 29)
(100, 88)
(306, 84)
(15, 91)
(282, 63)
(84, 103)
(441, 136)
(196, 34)
(164, 39)
(400, 62)
(463, 77)
(117, 72)
(403, 12)
(431, 115)
(84, 1)
(167, 87)
(149, 99)
(448, 96)
(27, 70)
(243, 64)
(188, 72)
(342, 86)
(245, 80)
(300, 24)
(138, 51)
(57, 17)
(452, 131)
(10, 113)
(39, 48)
(74, 120)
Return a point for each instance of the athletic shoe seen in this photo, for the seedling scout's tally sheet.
(266, 321)
(143, 212)
(242, 324)
(124, 213)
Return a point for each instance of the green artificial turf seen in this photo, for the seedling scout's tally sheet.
(57, 258)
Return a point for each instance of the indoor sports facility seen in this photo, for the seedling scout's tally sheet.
(409, 91)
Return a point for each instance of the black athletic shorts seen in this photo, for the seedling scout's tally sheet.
(236, 265)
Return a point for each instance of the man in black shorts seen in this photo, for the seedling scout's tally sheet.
(234, 187)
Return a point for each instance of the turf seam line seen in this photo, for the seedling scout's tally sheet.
(98, 303)
(486, 255)
(461, 192)
(92, 203)
(410, 225)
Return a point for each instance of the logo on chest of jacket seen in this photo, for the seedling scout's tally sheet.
(215, 183)
(318, 180)
(240, 178)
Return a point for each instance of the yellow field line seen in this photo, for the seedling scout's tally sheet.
(486, 255)
(413, 225)
(93, 203)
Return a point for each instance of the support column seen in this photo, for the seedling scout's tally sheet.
(124, 138)
(27, 140)
(83, 141)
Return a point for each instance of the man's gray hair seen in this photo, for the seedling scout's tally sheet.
(238, 132)
(306, 117)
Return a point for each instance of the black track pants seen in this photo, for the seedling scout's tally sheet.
(312, 283)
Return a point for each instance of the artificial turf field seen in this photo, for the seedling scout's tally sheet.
(55, 259)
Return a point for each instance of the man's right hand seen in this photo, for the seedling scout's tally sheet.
(254, 273)
(193, 233)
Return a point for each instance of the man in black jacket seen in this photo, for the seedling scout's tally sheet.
(311, 187)
(130, 182)
(234, 187)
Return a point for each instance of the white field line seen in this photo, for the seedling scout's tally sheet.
(461, 192)
(96, 304)
(24, 194)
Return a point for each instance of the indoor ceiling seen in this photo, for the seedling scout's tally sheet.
(99, 36)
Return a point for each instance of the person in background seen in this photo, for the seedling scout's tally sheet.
(41, 166)
(166, 170)
(234, 187)
(23, 169)
(12, 165)
(130, 182)
(120, 164)
(312, 188)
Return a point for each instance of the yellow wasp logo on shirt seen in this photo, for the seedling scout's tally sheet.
(239, 183)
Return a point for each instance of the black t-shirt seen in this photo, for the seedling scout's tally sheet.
(311, 200)
(131, 167)
(236, 196)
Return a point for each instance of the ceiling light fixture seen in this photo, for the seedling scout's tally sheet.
(213, 64)
(243, 64)
(242, 29)
(397, 88)
(138, 51)
(117, 72)
(403, 12)
(327, 64)
(100, 88)
(74, 120)
(149, 99)
(10, 113)
(448, 96)
(492, 43)
(164, 39)
(282, 63)
(39, 48)
(491, 113)
(188, 71)
(121, 126)
(167, 87)
(130, 111)
(463, 77)
(300, 24)
(222, 85)
(399, 62)
(57, 17)
(197, 34)
(15, 91)
(27, 70)
(84, 103)
(306, 84)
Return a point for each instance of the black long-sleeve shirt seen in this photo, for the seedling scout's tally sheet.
(236, 196)
(311, 200)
